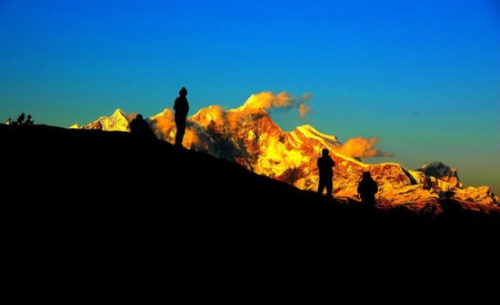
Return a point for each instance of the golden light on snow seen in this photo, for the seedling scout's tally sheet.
(355, 147)
(165, 122)
(288, 159)
(268, 100)
(191, 138)
(210, 114)
(234, 119)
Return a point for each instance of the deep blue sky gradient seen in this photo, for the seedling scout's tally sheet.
(422, 76)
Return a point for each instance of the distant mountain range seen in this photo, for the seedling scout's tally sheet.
(248, 136)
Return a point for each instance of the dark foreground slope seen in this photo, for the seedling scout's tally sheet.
(109, 177)
(101, 205)
(92, 181)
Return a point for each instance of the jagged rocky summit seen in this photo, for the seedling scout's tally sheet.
(249, 137)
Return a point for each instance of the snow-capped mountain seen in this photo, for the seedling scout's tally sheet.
(247, 135)
(118, 121)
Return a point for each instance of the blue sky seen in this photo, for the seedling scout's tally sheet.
(421, 76)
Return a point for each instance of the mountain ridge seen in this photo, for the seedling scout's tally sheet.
(199, 187)
(248, 136)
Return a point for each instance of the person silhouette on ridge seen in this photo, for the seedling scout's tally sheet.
(325, 165)
(29, 121)
(181, 107)
(367, 188)
(140, 129)
(20, 119)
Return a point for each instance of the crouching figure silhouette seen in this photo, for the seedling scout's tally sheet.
(367, 188)
(140, 129)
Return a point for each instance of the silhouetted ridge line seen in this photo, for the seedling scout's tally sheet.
(107, 177)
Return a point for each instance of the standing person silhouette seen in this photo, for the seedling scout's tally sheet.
(181, 107)
(367, 188)
(29, 121)
(20, 119)
(325, 165)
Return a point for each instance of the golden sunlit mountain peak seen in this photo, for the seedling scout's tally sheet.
(248, 136)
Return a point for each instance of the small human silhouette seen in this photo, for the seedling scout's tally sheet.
(20, 119)
(325, 165)
(367, 188)
(181, 107)
(140, 129)
(29, 121)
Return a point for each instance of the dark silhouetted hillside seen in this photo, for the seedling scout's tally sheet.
(100, 208)
(90, 181)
